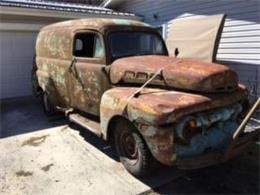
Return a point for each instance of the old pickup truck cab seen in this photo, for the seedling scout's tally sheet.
(114, 77)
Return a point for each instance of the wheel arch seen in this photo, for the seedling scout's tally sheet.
(111, 126)
(115, 106)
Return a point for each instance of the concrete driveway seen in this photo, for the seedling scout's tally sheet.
(41, 156)
(46, 156)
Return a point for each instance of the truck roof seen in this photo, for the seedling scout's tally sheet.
(93, 23)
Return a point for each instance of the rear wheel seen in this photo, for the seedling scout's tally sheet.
(48, 107)
(36, 90)
(131, 149)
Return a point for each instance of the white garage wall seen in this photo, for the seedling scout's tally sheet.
(16, 54)
(240, 42)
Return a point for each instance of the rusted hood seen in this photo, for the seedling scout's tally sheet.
(158, 106)
(177, 73)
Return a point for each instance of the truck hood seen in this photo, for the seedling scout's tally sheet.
(176, 73)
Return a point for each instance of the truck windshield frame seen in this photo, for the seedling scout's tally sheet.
(135, 43)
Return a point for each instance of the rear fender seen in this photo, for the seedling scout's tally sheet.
(43, 79)
(47, 85)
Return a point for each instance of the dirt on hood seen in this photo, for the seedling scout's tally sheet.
(176, 73)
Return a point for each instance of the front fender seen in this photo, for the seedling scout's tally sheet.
(159, 139)
(113, 103)
(116, 102)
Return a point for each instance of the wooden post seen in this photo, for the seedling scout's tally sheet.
(246, 119)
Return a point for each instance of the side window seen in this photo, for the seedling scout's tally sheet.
(88, 45)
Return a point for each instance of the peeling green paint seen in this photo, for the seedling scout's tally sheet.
(121, 21)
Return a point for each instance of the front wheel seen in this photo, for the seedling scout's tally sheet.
(131, 149)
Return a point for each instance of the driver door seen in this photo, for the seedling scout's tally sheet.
(88, 78)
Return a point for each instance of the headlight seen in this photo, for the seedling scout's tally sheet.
(187, 128)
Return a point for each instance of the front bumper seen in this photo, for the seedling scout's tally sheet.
(162, 145)
(234, 149)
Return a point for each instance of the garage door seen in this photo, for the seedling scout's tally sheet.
(16, 54)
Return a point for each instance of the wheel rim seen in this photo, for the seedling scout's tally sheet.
(128, 147)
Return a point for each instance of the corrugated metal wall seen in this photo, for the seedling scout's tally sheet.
(240, 42)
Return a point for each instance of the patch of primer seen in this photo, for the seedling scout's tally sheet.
(121, 21)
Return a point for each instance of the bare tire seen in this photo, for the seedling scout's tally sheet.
(131, 149)
(48, 107)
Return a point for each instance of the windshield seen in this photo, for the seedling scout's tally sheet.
(124, 44)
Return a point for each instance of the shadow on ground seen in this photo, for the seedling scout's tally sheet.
(98, 143)
(161, 174)
(24, 115)
(239, 176)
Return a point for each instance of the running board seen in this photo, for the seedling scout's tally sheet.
(91, 125)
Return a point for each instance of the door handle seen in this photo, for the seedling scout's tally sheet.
(75, 72)
(72, 64)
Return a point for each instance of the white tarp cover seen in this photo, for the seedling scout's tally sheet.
(196, 38)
